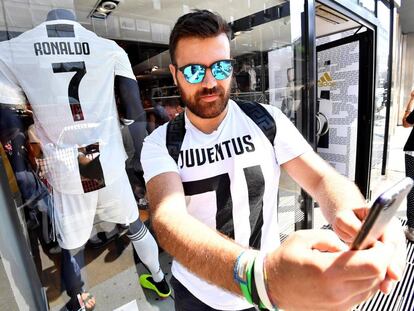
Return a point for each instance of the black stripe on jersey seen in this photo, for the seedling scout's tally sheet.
(221, 185)
(255, 185)
(60, 31)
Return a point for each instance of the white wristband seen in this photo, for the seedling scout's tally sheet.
(260, 281)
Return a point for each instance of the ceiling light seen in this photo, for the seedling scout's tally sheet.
(98, 14)
(103, 8)
(109, 5)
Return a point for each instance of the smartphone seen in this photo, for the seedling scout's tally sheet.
(380, 214)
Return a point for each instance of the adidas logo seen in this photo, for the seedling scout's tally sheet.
(326, 80)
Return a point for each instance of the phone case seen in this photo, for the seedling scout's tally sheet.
(380, 214)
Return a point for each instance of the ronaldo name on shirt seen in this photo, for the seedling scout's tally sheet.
(61, 48)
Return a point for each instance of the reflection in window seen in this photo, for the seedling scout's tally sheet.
(265, 71)
(381, 90)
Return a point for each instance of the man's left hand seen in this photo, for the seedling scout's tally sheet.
(347, 224)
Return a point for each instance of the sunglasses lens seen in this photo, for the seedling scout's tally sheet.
(222, 69)
(194, 73)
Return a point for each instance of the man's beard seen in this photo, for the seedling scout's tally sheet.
(206, 110)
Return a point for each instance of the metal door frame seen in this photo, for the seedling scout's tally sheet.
(366, 112)
(366, 19)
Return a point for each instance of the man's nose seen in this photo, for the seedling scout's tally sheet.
(209, 81)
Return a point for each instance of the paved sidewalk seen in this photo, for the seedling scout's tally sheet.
(395, 165)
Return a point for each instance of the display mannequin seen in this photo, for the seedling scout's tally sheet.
(70, 77)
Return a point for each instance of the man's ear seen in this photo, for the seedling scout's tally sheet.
(173, 71)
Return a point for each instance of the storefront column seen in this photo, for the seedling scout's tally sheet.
(15, 254)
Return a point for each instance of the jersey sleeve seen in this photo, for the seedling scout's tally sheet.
(10, 91)
(155, 158)
(289, 142)
(122, 64)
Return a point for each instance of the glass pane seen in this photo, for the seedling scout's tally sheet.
(380, 91)
(338, 82)
(60, 126)
(267, 71)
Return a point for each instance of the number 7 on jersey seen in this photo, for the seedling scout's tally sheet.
(73, 88)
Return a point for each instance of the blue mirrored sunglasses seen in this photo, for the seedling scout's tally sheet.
(195, 73)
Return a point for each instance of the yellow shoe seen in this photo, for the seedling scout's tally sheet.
(161, 288)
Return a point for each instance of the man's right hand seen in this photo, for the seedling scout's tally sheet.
(315, 270)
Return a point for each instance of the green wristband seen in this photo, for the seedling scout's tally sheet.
(246, 293)
(242, 272)
(247, 287)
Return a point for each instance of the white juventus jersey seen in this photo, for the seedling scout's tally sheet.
(66, 73)
(230, 179)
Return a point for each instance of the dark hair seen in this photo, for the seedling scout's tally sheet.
(199, 23)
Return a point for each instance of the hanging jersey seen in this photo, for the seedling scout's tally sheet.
(66, 73)
(230, 179)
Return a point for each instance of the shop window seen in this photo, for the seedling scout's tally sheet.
(266, 49)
